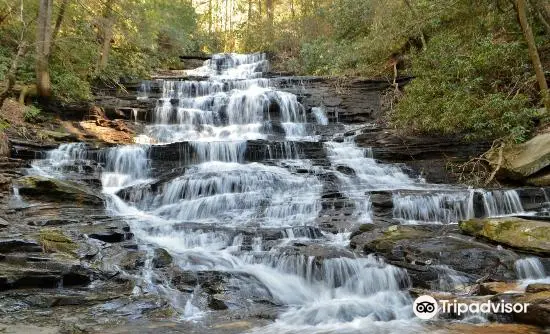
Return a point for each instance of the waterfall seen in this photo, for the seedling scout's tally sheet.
(450, 280)
(530, 270)
(502, 203)
(443, 208)
(320, 115)
(144, 90)
(124, 165)
(452, 207)
(243, 197)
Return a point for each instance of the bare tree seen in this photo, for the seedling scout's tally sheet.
(43, 45)
(210, 13)
(107, 28)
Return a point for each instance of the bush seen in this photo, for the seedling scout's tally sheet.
(31, 113)
(468, 85)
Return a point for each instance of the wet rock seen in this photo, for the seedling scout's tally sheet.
(537, 287)
(111, 236)
(55, 241)
(527, 235)
(426, 156)
(161, 258)
(133, 260)
(19, 245)
(418, 247)
(319, 252)
(53, 222)
(28, 150)
(538, 311)
(346, 170)
(216, 304)
(48, 189)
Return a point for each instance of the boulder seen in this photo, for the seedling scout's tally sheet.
(418, 248)
(540, 180)
(521, 161)
(161, 258)
(54, 190)
(527, 235)
(538, 311)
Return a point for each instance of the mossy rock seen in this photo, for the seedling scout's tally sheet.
(50, 189)
(162, 258)
(527, 235)
(55, 241)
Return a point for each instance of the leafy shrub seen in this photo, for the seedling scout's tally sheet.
(31, 113)
(468, 85)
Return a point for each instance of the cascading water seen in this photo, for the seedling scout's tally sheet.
(502, 203)
(217, 117)
(214, 211)
(451, 207)
(531, 270)
(443, 208)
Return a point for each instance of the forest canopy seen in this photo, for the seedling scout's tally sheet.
(473, 60)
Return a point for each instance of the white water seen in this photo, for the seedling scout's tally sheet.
(320, 115)
(198, 214)
(217, 116)
(530, 270)
(452, 207)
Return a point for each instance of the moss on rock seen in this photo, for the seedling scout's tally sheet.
(528, 235)
(55, 241)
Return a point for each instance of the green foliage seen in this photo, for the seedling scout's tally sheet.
(469, 81)
(146, 35)
(31, 113)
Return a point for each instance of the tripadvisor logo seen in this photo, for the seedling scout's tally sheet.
(426, 307)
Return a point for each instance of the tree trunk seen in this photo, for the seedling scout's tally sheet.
(43, 44)
(533, 53)
(10, 76)
(59, 20)
(260, 7)
(226, 18)
(249, 16)
(210, 16)
(108, 22)
(269, 9)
